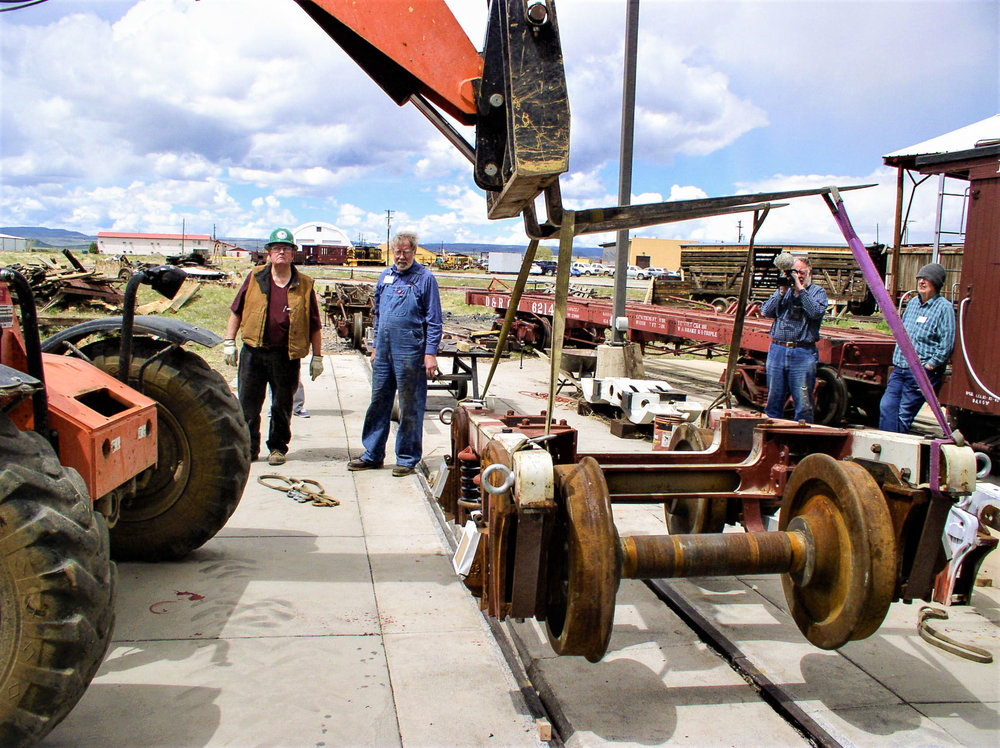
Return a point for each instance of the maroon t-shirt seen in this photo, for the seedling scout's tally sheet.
(276, 329)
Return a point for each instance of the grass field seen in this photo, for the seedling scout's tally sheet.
(209, 308)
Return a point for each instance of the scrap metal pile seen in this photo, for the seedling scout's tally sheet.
(59, 285)
(349, 308)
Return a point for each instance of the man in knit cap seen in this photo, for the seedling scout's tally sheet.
(929, 319)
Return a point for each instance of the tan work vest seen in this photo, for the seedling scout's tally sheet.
(255, 303)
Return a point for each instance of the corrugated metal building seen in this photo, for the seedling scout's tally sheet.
(321, 243)
(10, 243)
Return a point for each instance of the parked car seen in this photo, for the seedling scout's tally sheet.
(536, 269)
(548, 267)
(632, 271)
(650, 272)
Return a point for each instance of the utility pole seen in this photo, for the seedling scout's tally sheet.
(388, 224)
(739, 232)
(619, 322)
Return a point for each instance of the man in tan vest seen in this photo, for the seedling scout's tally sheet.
(277, 315)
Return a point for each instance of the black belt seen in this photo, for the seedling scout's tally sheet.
(793, 344)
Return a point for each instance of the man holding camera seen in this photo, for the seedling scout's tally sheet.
(797, 307)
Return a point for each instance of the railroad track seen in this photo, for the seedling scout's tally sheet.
(554, 691)
(544, 697)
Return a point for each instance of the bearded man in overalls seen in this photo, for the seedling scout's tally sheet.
(406, 335)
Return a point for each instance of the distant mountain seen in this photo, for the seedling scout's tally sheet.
(49, 238)
(45, 238)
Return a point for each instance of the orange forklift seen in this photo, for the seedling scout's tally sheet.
(115, 442)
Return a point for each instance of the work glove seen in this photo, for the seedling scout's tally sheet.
(315, 367)
(229, 352)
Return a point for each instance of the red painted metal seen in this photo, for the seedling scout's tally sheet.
(421, 36)
(978, 302)
(858, 355)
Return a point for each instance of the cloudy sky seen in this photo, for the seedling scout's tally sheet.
(236, 116)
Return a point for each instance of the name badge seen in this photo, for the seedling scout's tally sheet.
(389, 279)
(921, 319)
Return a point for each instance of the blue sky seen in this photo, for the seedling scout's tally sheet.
(241, 115)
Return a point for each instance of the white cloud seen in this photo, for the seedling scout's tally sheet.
(244, 114)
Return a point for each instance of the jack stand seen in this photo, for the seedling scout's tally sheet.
(619, 361)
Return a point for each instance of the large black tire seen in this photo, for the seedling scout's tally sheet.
(57, 587)
(203, 455)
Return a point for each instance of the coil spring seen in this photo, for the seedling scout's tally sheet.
(468, 471)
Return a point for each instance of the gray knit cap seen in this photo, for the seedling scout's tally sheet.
(933, 272)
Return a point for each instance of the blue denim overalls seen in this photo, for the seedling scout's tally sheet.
(399, 364)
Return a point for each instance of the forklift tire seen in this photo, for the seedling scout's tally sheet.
(203, 457)
(57, 588)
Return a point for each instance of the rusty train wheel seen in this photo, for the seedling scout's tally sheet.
(358, 331)
(501, 516)
(692, 516)
(583, 564)
(849, 580)
(460, 425)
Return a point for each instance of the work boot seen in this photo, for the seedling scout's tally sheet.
(276, 458)
(400, 470)
(360, 464)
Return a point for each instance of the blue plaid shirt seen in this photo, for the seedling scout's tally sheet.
(931, 327)
(796, 318)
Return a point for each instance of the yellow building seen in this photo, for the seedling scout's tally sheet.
(423, 256)
(646, 252)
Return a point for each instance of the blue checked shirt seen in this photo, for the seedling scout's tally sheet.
(796, 318)
(931, 327)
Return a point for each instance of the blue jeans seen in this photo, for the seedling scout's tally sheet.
(902, 400)
(791, 371)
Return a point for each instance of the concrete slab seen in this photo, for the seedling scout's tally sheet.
(447, 692)
(307, 626)
(256, 587)
(295, 691)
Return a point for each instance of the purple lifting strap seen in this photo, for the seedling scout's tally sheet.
(874, 281)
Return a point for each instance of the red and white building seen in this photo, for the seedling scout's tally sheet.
(125, 243)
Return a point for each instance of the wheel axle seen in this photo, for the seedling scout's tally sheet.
(672, 556)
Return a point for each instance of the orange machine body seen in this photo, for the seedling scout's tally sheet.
(107, 430)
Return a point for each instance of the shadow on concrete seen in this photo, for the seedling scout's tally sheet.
(150, 711)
